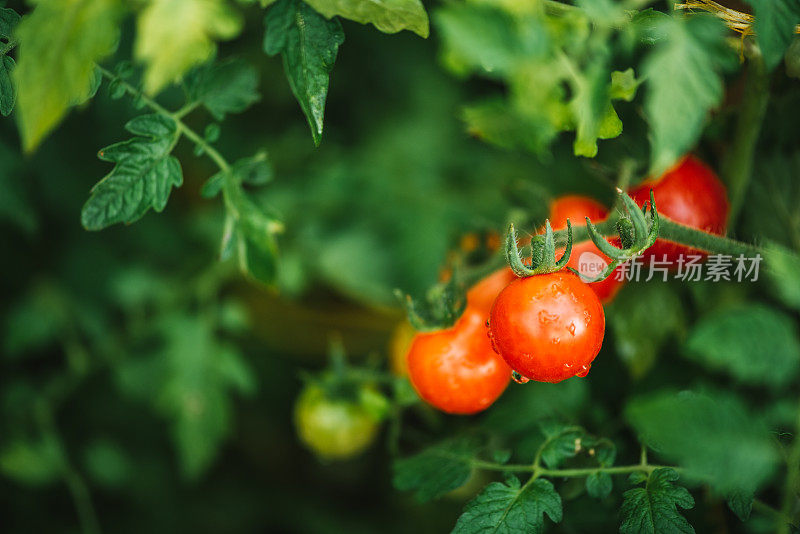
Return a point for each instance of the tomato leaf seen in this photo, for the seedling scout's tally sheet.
(754, 344)
(684, 82)
(8, 95)
(436, 470)
(142, 178)
(653, 509)
(389, 16)
(774, 25)
(510, 507)
(599, 485)
(308, 44)
(226, 87)
(641, 329)
(168, 48)
(189, 379)
(707, 435)
(741, 504)
(59, 44)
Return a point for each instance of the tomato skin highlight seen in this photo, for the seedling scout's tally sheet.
(690, 194)
(548, 327)
(334, 429)
(576, 208)
(456, 370)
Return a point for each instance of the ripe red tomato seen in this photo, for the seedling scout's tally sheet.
(482, 294)
(548, 327)
(690, 194)
(456, 369)
(586, 258)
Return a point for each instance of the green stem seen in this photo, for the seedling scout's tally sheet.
(737, 166)
(75, 484)
(568, 473)
(177, 116)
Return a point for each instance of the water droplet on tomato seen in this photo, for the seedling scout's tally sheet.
(490, 335)
(571, 328)
(518, 378)
(546, 317)
(567, 366)
(584, 371)
(556, 340)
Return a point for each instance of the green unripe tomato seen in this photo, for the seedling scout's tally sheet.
(334, 429)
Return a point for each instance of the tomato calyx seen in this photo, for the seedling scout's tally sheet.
(543, 252)
(636, 235)
(440, 308)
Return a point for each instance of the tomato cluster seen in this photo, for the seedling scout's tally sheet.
(550, 327)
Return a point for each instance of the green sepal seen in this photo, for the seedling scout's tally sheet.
(442, 306)
(543, 252)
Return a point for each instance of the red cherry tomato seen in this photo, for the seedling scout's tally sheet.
(456, 369)
(690, 194)
(482, 294)
(548, 327)
(586, 258)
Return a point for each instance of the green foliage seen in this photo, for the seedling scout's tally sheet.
(224, 87)
(774, 26)
(308, 44)
(385, 204)
(641, 329)
(511, 507)
(707, 435)
(388, 16)
(599, 485)
(741, 504)
(59, 44)
(684, 83)
(31, 462)
(653, 509)
(143, 176)
(755, 344)
(436, 470)
(8, 95)
(189, 379)
(174, 35)
(537, 55)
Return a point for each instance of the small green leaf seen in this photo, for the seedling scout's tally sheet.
(249, 231)
(142, 178)
(623, 85)
(707, 435)
(599, 485)
(741, 504)
(31, 462)
(174, 35)
(755, 344)
(783, 273)
(436, 470)
(8, 95)
(562, 443)
(640, 329)
(227, 87)
(389, 16)
(653, 509)
(774, 25)
(59, 44)
(511, 508)
(308, 44)
(8, 22)
(684, 83)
